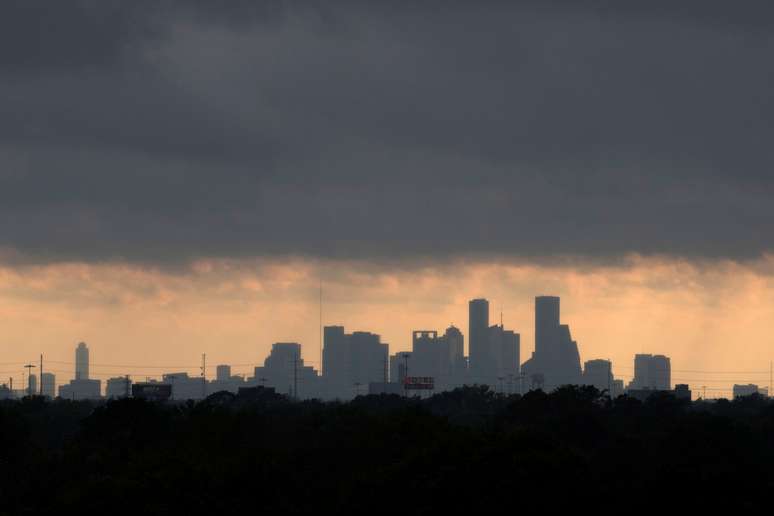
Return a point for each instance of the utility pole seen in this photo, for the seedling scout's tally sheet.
(204, 375)
(41, 374)
(704, 392)
(29, 378)
(321, 331)
(771, 373)
(126, 386)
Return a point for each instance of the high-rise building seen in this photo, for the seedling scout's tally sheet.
(556, 360)
(352, 361)
(225, 381)
(546, 323)
(32, 385)
(81, 390)
(653, 372)
(223, 373)
(82, 362)
(284, 371)
(118, 387)
(478, 341)
(439, 356)
(740, 391)
(599, 373)
(400, 366)
(48, 385)
(185, 387)
(505, 358)
(455, 346)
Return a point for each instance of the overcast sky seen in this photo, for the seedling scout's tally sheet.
(177, 177)
(165, 132)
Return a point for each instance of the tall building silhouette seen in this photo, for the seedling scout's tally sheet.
(118, 387)
(32, 385)
(556, 360)
(82, 362)
(478, 341)
(82, 387)
(653, 372)
(352, 361)
(505, 357)
(599, 373)
(223, 373)
(284, 371)
(48, 384)
(439, 356)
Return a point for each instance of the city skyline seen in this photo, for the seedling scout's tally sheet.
(549, 372)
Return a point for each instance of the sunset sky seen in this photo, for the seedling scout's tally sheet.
(179, 178)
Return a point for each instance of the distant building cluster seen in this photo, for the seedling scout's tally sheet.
(360, 363)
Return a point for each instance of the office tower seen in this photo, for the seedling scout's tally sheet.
(32, 385)
(546, 323)
(284, 371)
(352, 361)
(48, 383)
(185, 387)
(478, 335)
(118, 387)
(400, 365)
(225, 381)
(505, 349)
(653, 372)
(82, 362)
(81, 390)
(428, 355)
(455, 344)
(661, 371)
(599, 374)
(556, 360)
(223, 373)
(740, 391)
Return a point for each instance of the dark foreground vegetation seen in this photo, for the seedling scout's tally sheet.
(468, 450)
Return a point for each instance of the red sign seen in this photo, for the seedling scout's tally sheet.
(424, 383)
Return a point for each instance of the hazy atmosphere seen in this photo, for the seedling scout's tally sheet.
(178, 178)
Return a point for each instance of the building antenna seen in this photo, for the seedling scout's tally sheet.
(321, 331)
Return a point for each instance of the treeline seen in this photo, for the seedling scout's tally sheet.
(469, 451)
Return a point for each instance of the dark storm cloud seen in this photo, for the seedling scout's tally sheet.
(171, 130)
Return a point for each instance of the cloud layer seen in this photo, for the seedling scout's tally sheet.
(165, 132)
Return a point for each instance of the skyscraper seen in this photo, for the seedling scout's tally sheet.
(82, 362)
(652, 372)
(223, 373)
(48, 384)
(32, 385)
(352, 361)
(478, 335)
(599, 373)
(284, 370)
(546, 323)
(556, 360)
